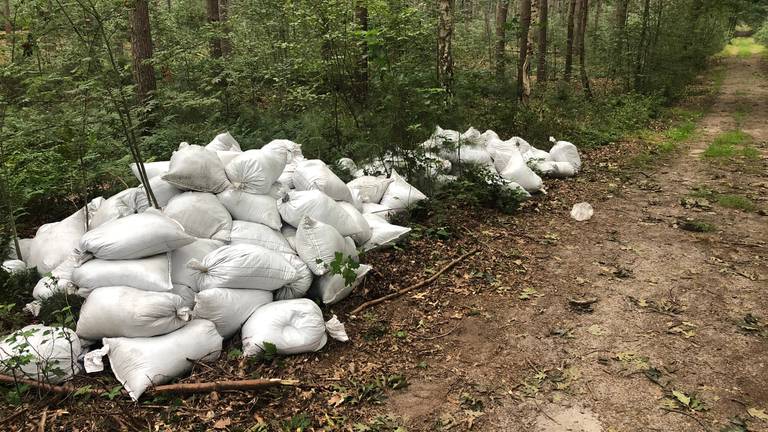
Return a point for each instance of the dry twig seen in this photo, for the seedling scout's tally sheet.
(398, 293)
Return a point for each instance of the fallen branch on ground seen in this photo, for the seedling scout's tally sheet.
(180, 388)
(398, 293)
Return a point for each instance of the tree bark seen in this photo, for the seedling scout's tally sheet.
(502, 9)
(141, 48)
(541, 68)
(584, 12)
(213, 17)
(619, 34)
(522, 65)
(643, 44)
(8, 23)
(361, 17)
(444, 45)
(569, 44)
(226, 44)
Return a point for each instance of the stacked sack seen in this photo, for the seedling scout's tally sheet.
(516, 161)
(242, 238)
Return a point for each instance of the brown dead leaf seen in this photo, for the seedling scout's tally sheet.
(222, 423)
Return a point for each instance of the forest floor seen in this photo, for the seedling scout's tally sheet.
(675, 259)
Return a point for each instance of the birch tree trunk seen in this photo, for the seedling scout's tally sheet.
(541, 68)
(584, 14)
(444, 49)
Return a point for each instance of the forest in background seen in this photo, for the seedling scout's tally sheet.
(87, 83)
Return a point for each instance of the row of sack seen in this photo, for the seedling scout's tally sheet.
(180, 269)
(514, 159)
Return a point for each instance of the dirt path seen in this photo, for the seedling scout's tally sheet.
(669, 300)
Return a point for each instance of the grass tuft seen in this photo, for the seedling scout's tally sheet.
(726, 145)
(738, 202)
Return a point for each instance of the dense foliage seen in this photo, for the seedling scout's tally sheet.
(315, 73)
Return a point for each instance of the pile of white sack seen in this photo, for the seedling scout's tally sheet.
(516, 161)
(244, 240)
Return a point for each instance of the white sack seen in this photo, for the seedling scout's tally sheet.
(255, 170)
(227, 156)
(472, 136)
(379, 210)
(314, 174)
(14, 266)
(52, 353)
(555, 169)
(502, 151)
(318, 206)
(55, 242)
(59, 281)
(139, 363)
(299, 286)
(582, 211)
(135, 236)
(180, 273)
(317, 244)
(488, 135)
(122, 204)
(228, 309)
(121, 311)
(293, 326)
(383, 233)
(293, 149)
(148, 274)
(186, 293)
(162, 190)
(260, 235)
(252, 208)
(332, 288)
(563, 151)
(363, 233)
(347, 165)
(243, 266)
(519, 172)
(197, 169)
(289, 233)
(400, 194)
(371, 188)
(223, 142)
(153, 169)
(201, 214)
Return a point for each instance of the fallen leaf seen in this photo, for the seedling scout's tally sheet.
(758, 413)
(682, 397)
(222, 423)
(336, 400)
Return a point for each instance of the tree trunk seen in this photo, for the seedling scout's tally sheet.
(361, 17)
(525, 26)
(643, 44)
(502, 8)
(541, 69)
(8, 23)
(213, 17)
(226, 44)
(569, 45)
(598, 14)
(584, 12)
(141, 47)
(619, 35)
(444, 42)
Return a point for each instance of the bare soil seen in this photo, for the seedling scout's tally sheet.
(496, 344)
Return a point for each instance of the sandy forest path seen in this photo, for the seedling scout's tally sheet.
(666, 346)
